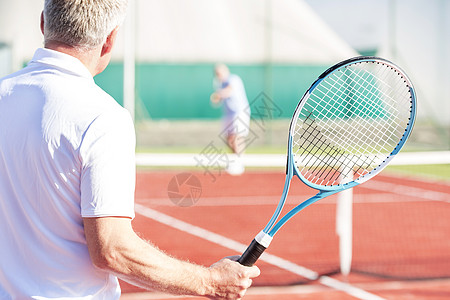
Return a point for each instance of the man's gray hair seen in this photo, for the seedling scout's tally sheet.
(82, 24)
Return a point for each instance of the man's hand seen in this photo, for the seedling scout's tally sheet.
(215, 99)
(230, 280)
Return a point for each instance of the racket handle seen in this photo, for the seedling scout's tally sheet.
(251, 254)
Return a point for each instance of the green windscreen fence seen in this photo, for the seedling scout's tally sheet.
(182, 91)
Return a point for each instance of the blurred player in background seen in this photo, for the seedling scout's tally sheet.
(67, 175)
(230, 93)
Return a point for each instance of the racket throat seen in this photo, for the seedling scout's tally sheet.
(264, 239)
(287, 184)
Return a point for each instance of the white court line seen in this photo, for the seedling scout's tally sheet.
(239, 247)
(405, 190)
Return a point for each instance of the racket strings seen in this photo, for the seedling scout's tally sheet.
(372, 93)
(351, 121)
(370, 104)
(390, 103)
(389, 98)
(369, 108)
(323, 159)
(313, 142)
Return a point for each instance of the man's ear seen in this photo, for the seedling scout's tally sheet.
(42, 22)
(109, 43)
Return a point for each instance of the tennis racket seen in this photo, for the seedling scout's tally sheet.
(346, 128)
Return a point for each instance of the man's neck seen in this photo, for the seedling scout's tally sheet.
(89, 58)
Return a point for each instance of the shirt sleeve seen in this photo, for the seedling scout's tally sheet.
(109, 171)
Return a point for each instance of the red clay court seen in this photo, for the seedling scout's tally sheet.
(401, 229)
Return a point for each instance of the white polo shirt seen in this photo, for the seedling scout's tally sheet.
(236, 109)
(237, 102)
(67, 151)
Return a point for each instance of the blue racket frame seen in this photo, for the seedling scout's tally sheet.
(263, 239)
(325, 191)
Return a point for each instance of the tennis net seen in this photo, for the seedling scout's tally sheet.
(400, 223)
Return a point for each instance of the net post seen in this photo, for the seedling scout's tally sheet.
(344, 225)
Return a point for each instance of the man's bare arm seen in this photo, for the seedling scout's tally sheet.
(115, 247)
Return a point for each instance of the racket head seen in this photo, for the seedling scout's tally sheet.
(350, 123)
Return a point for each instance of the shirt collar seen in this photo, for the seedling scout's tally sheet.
(61, 60)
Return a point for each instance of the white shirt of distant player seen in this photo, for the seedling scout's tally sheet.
(66, 152)
(237, 102)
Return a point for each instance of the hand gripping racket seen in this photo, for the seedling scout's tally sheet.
(347, 127)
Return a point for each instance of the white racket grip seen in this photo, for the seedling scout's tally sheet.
(264, 239)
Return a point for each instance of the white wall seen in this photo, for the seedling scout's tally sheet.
(244, 31)
(248, 31)
(19, 28)
(419, 40)
(413, 33)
